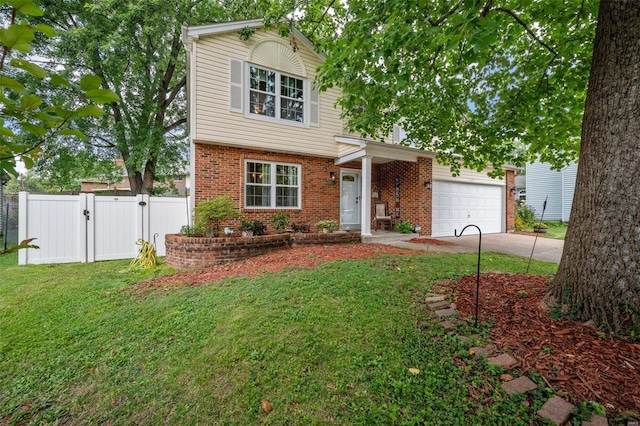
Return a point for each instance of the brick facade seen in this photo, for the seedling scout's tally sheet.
(414, 204)
(219, 170)
(511, 201)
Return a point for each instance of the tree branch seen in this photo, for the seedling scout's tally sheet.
(174, 125)
(176, 45)
(527, 29)
(487, 8)
(107, 143)
(322, 17)
(175, 90)
(446, 15)
(42, 141)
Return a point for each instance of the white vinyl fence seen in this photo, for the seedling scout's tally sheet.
(86, 228)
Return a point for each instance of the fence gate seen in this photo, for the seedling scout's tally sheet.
(86, 228)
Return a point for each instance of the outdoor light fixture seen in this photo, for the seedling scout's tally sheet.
(428, 184)
(332, 176)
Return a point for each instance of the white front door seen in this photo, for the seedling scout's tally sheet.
(349, 199)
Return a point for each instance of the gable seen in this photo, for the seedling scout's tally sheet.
(221, 69)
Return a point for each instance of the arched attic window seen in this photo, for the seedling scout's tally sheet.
(276, 86)
(277, 56)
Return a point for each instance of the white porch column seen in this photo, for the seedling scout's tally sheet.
(365, 200)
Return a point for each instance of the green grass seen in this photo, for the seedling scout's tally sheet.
(329, 345)
(556, 230)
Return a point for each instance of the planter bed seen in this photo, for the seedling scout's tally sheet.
(200, 252)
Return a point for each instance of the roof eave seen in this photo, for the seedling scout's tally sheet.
(195, 32)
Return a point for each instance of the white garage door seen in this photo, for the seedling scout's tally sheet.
(456, 205)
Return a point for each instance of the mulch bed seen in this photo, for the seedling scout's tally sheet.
(304, 256)
(430, 241)
(572, 358)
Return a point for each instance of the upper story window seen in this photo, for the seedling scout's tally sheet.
(276, 95)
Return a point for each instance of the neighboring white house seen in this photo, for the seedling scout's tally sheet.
(557, 185)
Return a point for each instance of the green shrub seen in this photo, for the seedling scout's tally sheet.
(404, 226)
(209, 214)
(300, 227)
(329, 225)
(247, 225)
(259, 228)
(192, 231)
(280, 221)
(525, 213)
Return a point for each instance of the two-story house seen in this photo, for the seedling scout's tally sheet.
(262, 134)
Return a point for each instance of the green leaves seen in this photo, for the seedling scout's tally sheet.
(27, 116)
(30, 67)
(17, 37)
(89, 110)
(11, 84)
(479, 81)
(102, 96)
(90, 82)
(26, 6)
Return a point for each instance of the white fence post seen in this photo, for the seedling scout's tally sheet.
(23, 199)
(89, 228)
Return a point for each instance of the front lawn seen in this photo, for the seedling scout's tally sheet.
(328, 345)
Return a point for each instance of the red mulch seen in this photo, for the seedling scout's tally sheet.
(306, 257)
(581, 361)
(430, 241)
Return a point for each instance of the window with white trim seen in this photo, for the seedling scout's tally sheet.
(271, 185)
(276, 95)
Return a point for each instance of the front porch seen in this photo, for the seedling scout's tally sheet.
(397, 176)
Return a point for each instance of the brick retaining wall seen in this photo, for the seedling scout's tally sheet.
(200, 252)
(320, 239)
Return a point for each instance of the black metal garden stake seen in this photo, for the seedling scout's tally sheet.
(544, 207)
(478, 275)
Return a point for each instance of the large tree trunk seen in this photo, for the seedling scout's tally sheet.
(599, 275)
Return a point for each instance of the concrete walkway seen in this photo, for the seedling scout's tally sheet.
(547, 249)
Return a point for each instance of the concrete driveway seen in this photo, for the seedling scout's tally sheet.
(521, 245)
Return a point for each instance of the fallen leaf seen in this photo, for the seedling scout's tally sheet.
(266, 406)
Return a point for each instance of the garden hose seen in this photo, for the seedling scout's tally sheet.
(146, 257)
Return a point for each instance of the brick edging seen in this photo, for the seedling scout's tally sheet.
(184, 252)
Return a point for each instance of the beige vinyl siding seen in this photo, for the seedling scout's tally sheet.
(443, 173)
(216, 124)
(346, 149)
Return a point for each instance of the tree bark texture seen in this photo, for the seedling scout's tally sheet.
(599, 274)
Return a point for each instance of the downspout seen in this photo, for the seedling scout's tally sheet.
(190, 48)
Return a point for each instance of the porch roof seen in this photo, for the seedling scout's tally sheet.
(379, 152)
